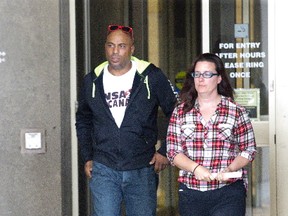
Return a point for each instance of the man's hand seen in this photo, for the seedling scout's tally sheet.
(88, 168)
(160, 162)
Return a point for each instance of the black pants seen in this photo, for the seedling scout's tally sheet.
(229, 200)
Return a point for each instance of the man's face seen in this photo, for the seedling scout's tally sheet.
(119, 48)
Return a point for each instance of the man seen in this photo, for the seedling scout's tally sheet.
(116, 124)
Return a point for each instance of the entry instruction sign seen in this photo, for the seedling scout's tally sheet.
(250, 99)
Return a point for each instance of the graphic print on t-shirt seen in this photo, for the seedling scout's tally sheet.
(118, 99)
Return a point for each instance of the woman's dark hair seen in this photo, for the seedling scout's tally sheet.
(188, 94)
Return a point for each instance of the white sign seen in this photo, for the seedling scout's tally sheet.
(32, 140)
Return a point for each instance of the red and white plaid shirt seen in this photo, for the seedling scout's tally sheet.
(214, 144)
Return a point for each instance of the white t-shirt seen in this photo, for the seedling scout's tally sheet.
(117, 91)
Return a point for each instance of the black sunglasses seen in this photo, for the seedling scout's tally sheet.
(126, 29)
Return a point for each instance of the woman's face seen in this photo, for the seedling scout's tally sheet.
(206, 85)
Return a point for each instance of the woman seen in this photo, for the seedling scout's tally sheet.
(210, 139)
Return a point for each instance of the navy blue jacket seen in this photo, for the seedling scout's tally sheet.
(131, 146)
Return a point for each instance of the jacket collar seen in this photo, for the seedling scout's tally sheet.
(141, 66)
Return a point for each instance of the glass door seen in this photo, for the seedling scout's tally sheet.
(238, 33)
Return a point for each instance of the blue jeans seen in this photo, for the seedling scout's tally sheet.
(229, 200)
(136, 188)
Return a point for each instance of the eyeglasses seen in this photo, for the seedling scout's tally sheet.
(126, 29)
(206, 74)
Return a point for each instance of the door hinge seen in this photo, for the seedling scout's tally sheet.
(275, 139)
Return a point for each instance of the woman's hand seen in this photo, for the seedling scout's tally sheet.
(203, 174)
(221, 176)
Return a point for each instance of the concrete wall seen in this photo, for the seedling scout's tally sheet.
(33, 95)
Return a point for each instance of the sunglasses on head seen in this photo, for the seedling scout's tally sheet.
(126, 29)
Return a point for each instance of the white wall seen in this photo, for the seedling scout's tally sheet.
(278, 68)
